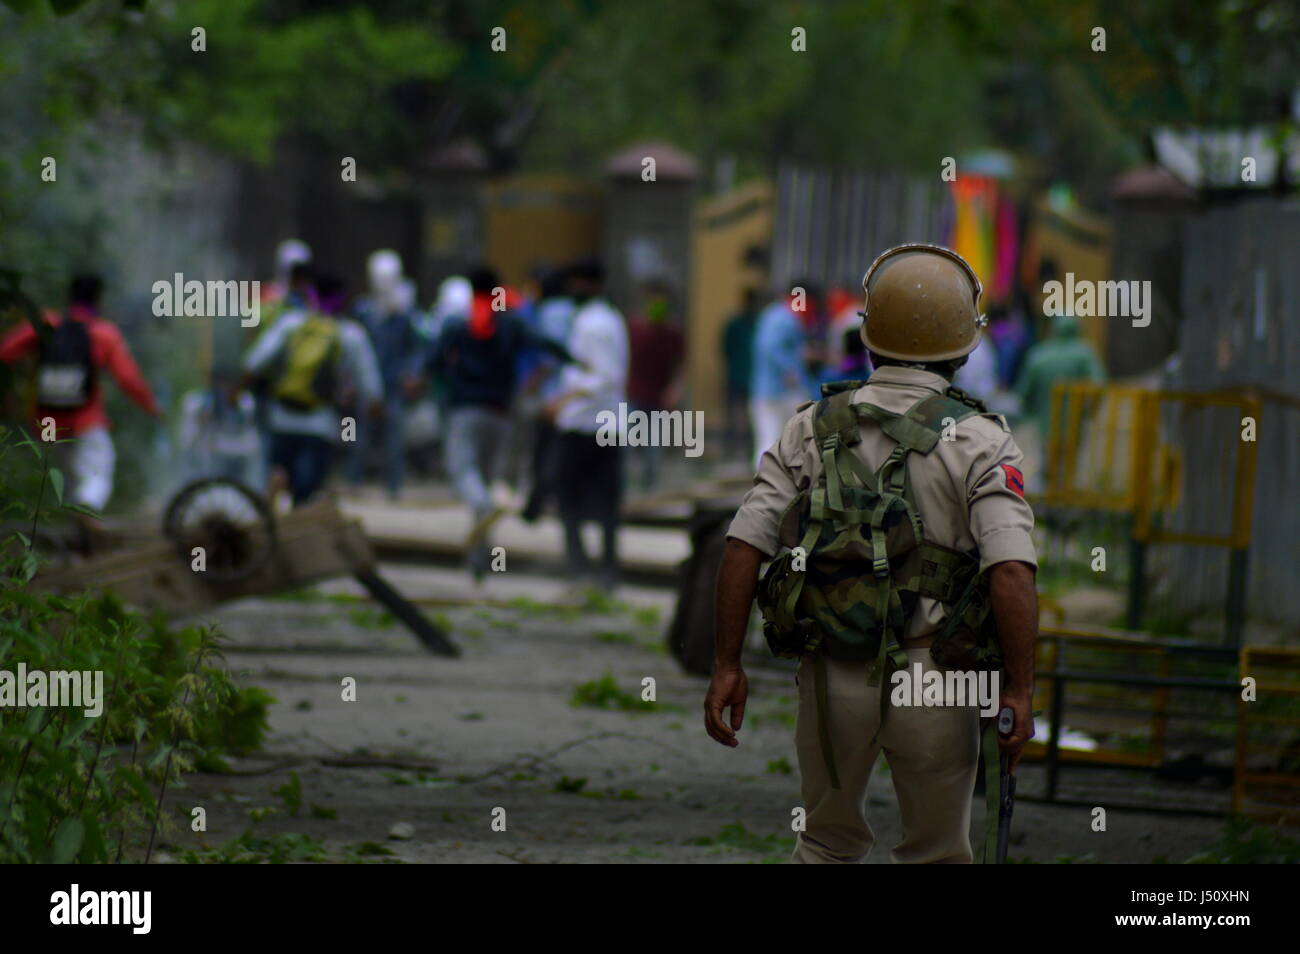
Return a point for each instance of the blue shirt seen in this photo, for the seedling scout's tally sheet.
(554, 321)
(393, 337)
(779, 367)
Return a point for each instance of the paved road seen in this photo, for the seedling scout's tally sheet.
(440, 744)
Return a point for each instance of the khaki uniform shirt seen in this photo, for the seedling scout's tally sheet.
(969, 491)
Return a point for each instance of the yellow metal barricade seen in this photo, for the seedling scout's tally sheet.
(1175, 462)
(1106, 451)
(1267, 777)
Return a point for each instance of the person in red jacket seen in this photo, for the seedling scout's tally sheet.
(70, 354)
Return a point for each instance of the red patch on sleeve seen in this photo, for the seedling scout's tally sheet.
(1015, 480)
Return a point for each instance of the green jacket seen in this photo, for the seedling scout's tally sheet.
(1067, 358)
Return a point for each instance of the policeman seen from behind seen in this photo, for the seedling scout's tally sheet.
(917, 552)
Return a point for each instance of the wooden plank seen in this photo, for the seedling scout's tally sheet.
(433, 638)
(313, 543)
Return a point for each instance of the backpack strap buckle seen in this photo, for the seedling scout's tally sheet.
(835, 416)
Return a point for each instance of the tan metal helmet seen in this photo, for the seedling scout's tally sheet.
(922, 304)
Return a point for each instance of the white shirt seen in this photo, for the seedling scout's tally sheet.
(598, 342)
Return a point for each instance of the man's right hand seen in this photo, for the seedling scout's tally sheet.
(1022, 705)
(728, 688)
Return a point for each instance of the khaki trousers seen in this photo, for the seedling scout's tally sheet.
(933, 755)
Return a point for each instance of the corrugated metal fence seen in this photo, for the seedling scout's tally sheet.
(831, 223)
(1241, 328)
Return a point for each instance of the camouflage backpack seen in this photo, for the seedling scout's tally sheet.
(855, 559)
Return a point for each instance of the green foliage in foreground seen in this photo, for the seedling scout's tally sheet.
(1244, 843)
(86, 789)
(89, 788)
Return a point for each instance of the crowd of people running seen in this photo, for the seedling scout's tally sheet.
(509, 379)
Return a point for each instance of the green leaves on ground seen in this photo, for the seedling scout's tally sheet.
(605, 693)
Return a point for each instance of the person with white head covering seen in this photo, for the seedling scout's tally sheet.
(289, 290)
(288, 254)
(387, 313)
(384, 271)
(276, 293)
(454, 298)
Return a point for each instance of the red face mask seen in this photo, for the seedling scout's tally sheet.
(482, 321)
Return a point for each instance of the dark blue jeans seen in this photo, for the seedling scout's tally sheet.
(306, 459)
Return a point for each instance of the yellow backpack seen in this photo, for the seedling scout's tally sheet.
(308, 378)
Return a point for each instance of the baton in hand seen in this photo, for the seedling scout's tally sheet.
(1007, 799)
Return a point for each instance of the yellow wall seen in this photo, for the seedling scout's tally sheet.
(535, 219)
(723, 229)
(1078, 242)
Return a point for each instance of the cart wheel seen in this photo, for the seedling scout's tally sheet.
(233, 524)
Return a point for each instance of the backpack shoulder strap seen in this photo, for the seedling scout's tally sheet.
(836, 387)
(333, 334)
(929, 417)
(835, 418)
(917, 429)
(908, 433)
(965, 397)
(319, 325)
